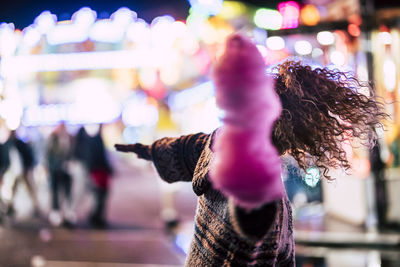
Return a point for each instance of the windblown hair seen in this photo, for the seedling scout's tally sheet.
(321, 108)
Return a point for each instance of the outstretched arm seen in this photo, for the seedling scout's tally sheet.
(142, 151)
(174, 158)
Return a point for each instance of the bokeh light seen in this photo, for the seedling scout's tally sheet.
(325, 38)
(268, 19)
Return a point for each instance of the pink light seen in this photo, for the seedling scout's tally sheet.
(290, 12)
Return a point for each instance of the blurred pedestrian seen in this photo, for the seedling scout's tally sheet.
(100, 171)
(17, 162)
(243, 215)
(58, 154)
(378, 171)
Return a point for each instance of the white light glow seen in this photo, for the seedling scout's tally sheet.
(326, 38)
(337, 58)
(275, 43)
(137, 112)
(67, 33)
(31, 36)
(148, 77)
(389, 74)
(45, 21)
(139, 33)
(81, 61)
(106, 31)
(208, 7)
(317, 52)
(303, 47)
(268, 19)
(181, 100)
(169, 75)
(11, 112)
(362, 72)
(84, 16)
(189, 45)
(85, 112)
(160, 31)
(8, 41)
(179, 29)
(123, 17)
(385, 38)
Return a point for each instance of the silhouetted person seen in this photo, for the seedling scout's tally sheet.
(100, 171)
(378, 172)
(17, 160)
(58, 154)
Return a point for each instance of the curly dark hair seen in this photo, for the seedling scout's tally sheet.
(320, 109)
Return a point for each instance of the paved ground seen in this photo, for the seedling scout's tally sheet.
(137, 237)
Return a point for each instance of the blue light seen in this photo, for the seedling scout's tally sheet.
(191, 96)
(207, 7)
(312, 176)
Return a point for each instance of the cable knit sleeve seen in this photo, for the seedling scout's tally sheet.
(175, 158)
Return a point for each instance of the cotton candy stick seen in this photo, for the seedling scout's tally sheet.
(246, 165)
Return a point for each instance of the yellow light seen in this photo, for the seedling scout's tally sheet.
(232, 9)
(309, 15)
(170, 74)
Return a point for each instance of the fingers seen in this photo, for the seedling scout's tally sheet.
(142, 151)
(124, 148)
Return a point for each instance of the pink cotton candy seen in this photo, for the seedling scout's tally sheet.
(246, 165)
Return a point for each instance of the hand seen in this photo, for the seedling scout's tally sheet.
(142, 151)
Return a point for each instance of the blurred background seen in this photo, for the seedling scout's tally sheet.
(80, 76)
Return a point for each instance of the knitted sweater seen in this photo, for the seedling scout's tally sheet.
(225, 234)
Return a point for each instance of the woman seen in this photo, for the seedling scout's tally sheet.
(242, 220)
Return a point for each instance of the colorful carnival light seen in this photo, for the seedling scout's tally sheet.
(112, 30)
(389, 74)
(312, 176)
(232, 9)
(123, 17)
(31, 36)
(309, 15)
(8, 41)
(84, 17)
(81, 61)
(275, 43)
(337, 58)
(385, 37)
(139, 33)
(290, 12)
(268, 19)
(317, 52)
(325, 38)
(45, 21)
(303, 47)
(208, 7)
(354, 30)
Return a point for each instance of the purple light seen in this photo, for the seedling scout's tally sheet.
(290, 12)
